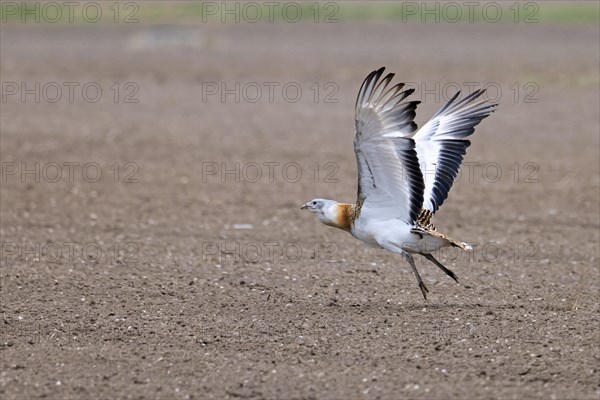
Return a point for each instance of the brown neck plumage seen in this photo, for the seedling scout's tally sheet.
(345, 216)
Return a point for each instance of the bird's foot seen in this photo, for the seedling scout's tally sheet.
(452, 275)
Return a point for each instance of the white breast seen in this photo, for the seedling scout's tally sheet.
(362, 231)
(374, 232)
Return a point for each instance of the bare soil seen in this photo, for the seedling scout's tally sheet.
(187, 270)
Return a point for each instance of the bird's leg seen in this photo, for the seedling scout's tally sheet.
(422, 286)
(440, 266)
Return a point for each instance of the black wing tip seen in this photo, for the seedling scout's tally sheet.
(375, 74)
(491, 105)
(456, 95)
(374, 81)
(452, 106)
(378, 72)
(478, 93)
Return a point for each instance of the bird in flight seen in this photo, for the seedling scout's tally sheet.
(403, 179)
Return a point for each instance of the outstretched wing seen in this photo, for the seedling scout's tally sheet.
(390, 184)
(441, 145)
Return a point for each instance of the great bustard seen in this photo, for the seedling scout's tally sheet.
(403, 180)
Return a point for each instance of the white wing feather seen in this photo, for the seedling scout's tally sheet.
(390, 184)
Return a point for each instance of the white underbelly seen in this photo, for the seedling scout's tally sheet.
(365, 235)
(396, 232)
(373, 233)
(424, 244)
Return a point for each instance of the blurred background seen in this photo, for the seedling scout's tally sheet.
(153, 151)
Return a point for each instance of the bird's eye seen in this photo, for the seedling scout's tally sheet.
(314, 203)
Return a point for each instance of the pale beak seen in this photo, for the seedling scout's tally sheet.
(303, 207)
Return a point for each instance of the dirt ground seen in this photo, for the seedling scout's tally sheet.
(187, 270)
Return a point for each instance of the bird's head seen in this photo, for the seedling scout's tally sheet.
(329, 212)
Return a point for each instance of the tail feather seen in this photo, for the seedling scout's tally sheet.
(463, 245)
(424, 230)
